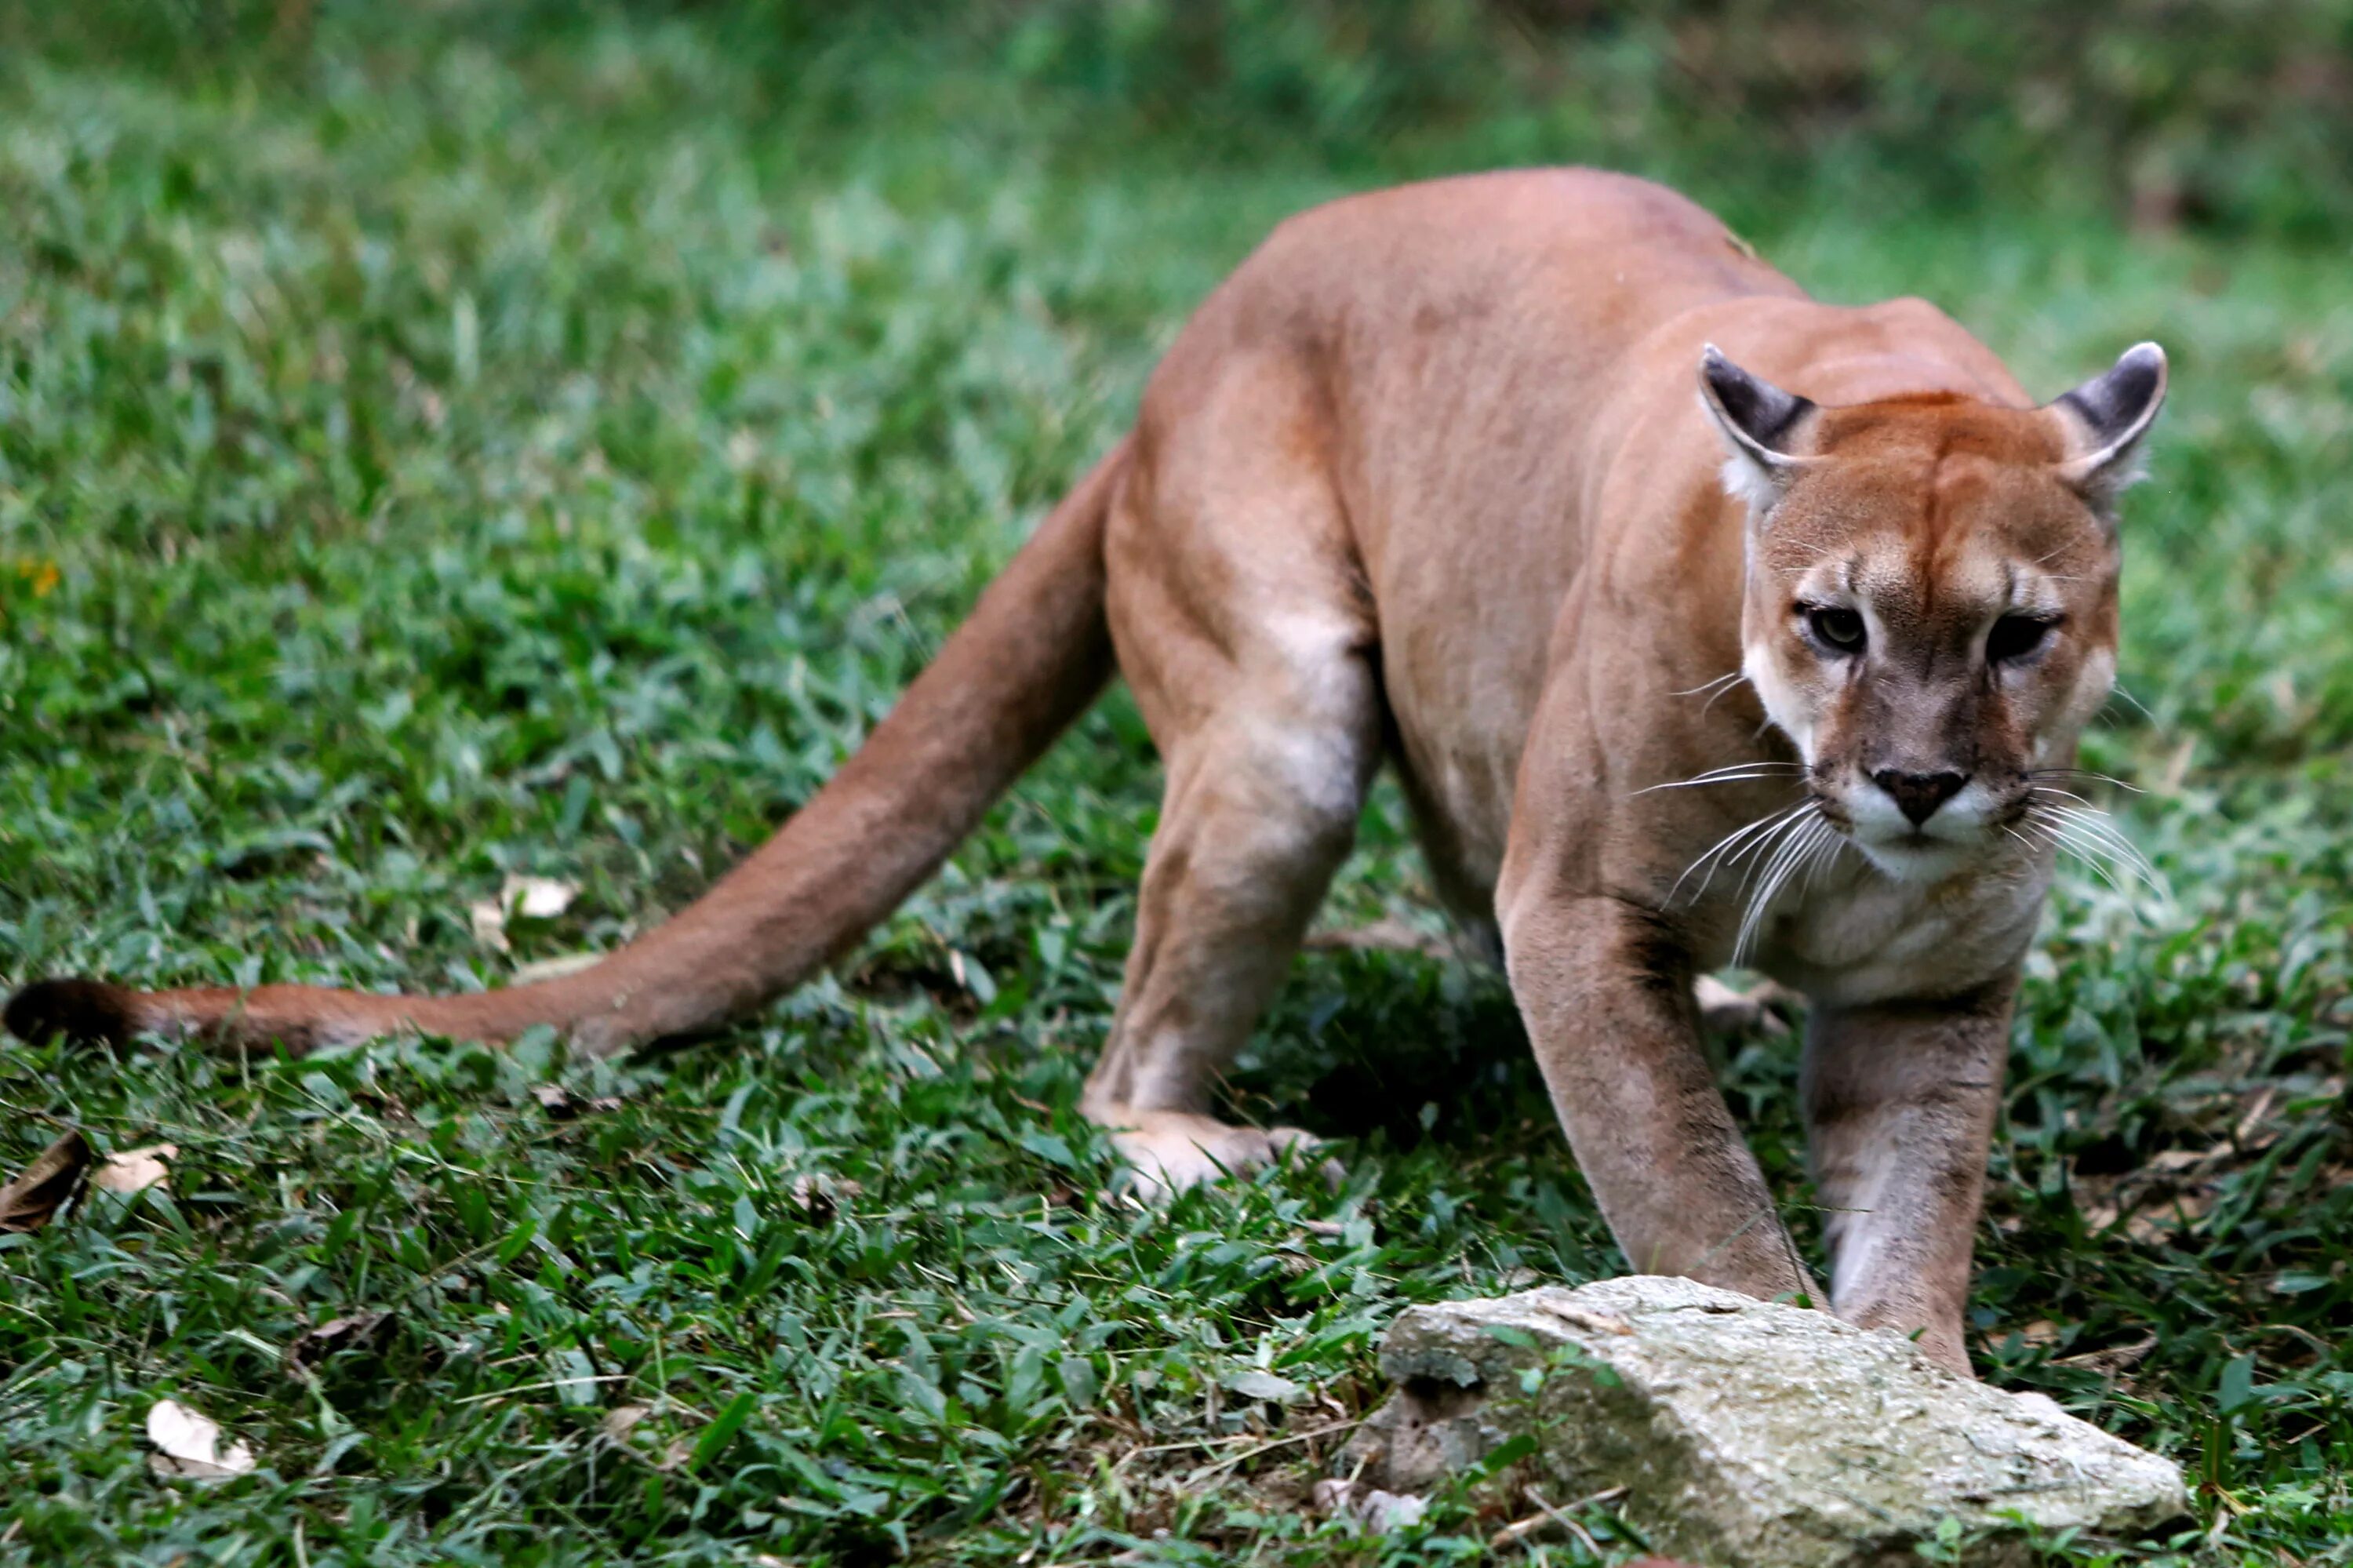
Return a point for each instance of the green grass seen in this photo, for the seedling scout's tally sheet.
(451, 460)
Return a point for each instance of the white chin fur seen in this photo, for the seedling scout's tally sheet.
(1915, 859)
(1948, 840)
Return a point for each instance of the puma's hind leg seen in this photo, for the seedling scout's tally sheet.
(1250, 656)
(1240, 861)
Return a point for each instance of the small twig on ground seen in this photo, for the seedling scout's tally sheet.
(1232, 1459)
(1228, 1442)
(543, 1387)
(1520, 1529)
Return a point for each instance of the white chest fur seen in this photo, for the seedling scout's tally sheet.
(1857, 936)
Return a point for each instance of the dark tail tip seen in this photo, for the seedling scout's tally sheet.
(77, 1009)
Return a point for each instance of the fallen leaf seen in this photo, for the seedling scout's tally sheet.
(821, 1197)
(2042, 1331)
(2115, 1358)
(1389, 935)
(136, 1169)
(1368, 1508)
(1255, 1384)
(2168, 1217)
(33, 1199)
(555, 968)
(538, 898)
(560, 1105)
(188, 1444)
(1727, 1010)
(621, 1423)
(357, 1331)
(529, 898)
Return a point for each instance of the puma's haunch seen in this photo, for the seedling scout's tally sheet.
(1700, 620)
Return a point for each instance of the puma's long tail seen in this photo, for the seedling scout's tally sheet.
(1029, 660)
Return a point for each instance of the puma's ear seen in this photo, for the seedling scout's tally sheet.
(1757, 420)
(2104, 420)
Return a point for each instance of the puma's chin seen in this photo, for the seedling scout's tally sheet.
(1919, 858)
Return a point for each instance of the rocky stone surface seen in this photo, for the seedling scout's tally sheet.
(1746, 1435)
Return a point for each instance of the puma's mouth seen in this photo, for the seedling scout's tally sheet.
(1918, 856)
(1955, 836)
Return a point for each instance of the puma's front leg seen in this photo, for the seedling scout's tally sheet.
(1605, 989)
(1899, 1104)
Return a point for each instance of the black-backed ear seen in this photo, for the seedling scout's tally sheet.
(2105, 419)
(1758, 422)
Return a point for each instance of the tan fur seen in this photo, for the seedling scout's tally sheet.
(1430, 478)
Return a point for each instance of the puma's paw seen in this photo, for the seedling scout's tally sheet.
(1167, 1152)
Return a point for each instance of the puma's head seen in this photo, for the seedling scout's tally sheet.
(1931, 609)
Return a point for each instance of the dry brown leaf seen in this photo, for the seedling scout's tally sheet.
(1726, 1010)
(34, 1198)
(620, 1424)
(2154, 1222)
(821, 1197)
(2042, 1331)
(189, 1445)
(357, 1331)
(2114, 1359)
(560, 1105)
(136, 1169)
(2251, 1116)
(1389, 935)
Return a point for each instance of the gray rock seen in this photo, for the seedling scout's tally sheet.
(1746, 1435)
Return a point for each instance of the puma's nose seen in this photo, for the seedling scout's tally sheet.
(1919, 794)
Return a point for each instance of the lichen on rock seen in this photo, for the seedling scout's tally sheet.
(1748, 1433)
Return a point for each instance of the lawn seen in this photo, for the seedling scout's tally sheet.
(457, 454)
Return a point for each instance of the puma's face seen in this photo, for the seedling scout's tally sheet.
(1930, 627)
(1931, 610)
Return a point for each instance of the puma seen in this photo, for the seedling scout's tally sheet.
(1775, 652)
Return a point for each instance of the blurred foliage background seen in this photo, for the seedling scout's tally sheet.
(2229, 115)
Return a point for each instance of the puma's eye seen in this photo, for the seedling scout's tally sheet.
(2014, 637)
(1839, 630)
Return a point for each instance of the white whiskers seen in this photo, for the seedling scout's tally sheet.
(1738, 844)
(1806, 848)
(1795, 842)
(1719, 683)
(2061, 818)
(1733, 773)
(1713, 690)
